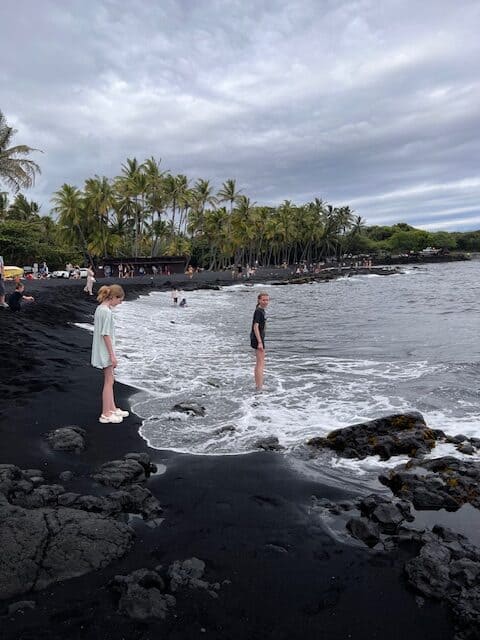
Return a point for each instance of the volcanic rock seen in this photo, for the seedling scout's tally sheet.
(190, 408)
(142, 595)
(441, 483)
(399, 434)
(44, 546)
(67, 439)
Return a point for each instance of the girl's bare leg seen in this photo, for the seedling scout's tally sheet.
(108, 403)
(259, 366)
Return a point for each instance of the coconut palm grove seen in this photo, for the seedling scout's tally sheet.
(147, 211)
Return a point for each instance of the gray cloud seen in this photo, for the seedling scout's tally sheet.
(359, 102)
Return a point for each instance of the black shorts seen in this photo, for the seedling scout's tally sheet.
(254, 342)
(2, 287)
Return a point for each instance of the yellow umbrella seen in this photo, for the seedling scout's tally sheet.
(13, 272)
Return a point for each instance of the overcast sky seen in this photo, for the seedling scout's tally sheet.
(375, 104)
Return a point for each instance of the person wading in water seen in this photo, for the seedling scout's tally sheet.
(257, 337)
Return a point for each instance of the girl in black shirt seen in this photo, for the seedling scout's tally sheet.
(257, 338)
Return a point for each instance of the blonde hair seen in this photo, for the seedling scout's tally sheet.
(260, 295)
(107, 292)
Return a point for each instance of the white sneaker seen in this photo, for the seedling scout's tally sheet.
(112, 418)
(121, 412)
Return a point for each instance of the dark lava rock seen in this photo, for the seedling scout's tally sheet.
(388, 517)
(466, 448)
(21, 605)
(190, 407)
(142, 595)
(67, 439)
(187, 573)
(269, 443)
(66, 476)
(144, 460)
(448, 569)
(399, 434)
(44, 546)
(441, 483)
(364, 530)
(120, 472)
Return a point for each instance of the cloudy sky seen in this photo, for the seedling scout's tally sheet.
(371, 103)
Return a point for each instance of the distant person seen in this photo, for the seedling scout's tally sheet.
(154, 270)
(90, 280)
(183, 302)
(107, 271)
(43, 270)
(69, 268)
(257, 337)
(103, 349)
(18, 296)
(3, 304)
(175, 295)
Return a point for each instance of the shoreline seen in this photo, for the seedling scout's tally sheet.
(248, 517)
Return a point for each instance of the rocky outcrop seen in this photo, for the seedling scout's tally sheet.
(399, 434)
(143, 594)
(135, 467)
(44, 546)
(269, 443)
(448, 569)
(48, 535)
(446, 566)
(441, 483)
(188, 574)
(70, 438)
(191, 408)
(147, 593)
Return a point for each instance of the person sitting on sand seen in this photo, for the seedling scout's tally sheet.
(183, 302)
(103, 349)
(257, 337)
(18, 296)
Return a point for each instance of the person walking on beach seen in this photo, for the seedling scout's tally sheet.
(103, 349)
(257, 337)
(175, 295)
(90, 280)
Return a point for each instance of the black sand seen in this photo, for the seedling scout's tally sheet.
(248, 517)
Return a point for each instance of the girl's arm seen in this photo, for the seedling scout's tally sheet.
(256, 331)
(111, 353)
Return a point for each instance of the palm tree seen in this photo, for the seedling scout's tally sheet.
(23, 210)
(3, 204)
(73, 223)
(15, 171)
(131, 188)
(99, 201)
(229, 193)
(202, 196)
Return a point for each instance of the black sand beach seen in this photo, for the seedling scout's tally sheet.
(280, 574)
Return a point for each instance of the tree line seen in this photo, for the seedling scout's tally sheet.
(148, 211)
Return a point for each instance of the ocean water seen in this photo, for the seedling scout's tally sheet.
(337, 353)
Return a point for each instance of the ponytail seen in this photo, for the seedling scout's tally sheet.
(107, 292)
